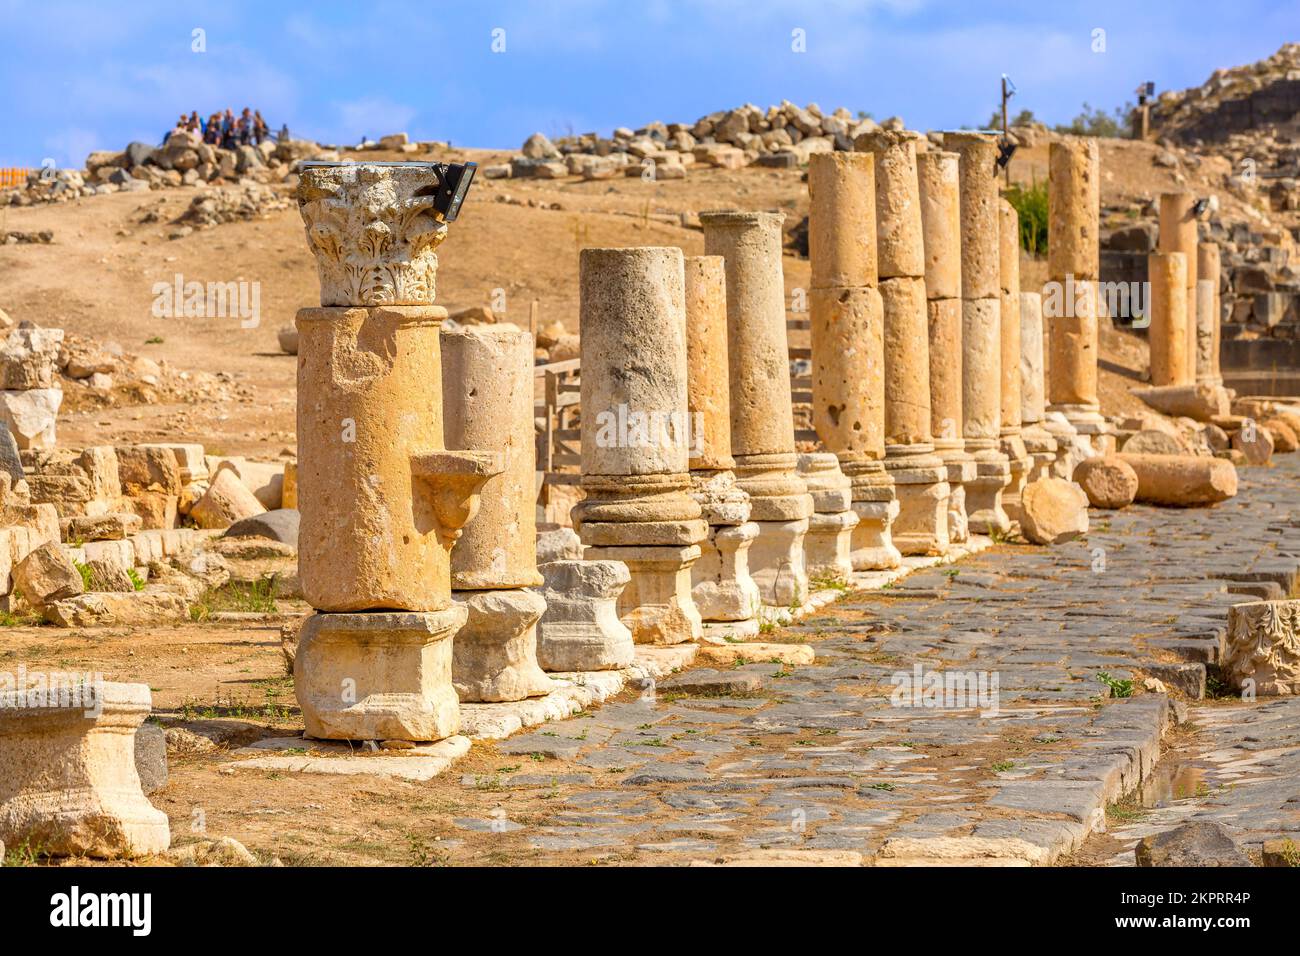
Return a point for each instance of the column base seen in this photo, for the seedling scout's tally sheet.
(1041, 447)
(776, 563)
(494, 655)
(580, 630)
(70, 787)
(1019, 462)
(1066, 437)
(960, 469)
(378, 675)
(656, 605)
(1094, 435)
(721, 585)
(984, 509)
(828, 548)
(872, 491)
(921, 485)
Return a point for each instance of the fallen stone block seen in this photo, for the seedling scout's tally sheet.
(1255, 442)
(47, 574)
(30, 415)
(105, 527)
(1182, 481)
(1151, 442)
(227, 501)
(151, 757)
(70, 785)
(1108, 482)
(96, 608)
(757, 652)
(1280, 852)
(1053, 510)
(279, 525)
(1195, 843)
(706, 682)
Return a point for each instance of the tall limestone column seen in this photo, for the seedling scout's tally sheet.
(920, 476)
(487, 395)
(725, 594)
(1208, 315)
(937, 175)
(1012, 443)
(848, 350)
(981, 330)
(1070, 299)
(762, 421)
(1167, 332)
(638, 507)
(1039, 442)
(381, 499)
(1178, 233)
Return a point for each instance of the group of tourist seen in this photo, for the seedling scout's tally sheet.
(228, 131)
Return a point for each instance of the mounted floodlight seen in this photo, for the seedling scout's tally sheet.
(1008, 86)
(454, 183)
(1198, 210)
(1005, 149)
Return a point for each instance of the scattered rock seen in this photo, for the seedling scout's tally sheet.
(1108, 482)
(1195, 843)
(1053, 510)
(46, 575)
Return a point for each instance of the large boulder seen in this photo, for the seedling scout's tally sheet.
(30, 415)
(1109, 482)
(1053, 510)
(1195, 843)
(538, 146)
(47, 574)
(30, 358)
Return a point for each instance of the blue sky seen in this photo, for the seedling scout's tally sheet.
(82, 76)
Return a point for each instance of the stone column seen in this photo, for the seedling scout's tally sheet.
(487, 395)
(635, 436)
(1039, 442)
(937, 175)
(69, 785)
(1012, 442)
(847, 322)
(920, 476)
(725, 594)
(381, 500)
(1208, 315)
(1070, 300)
(1167, 330)
(981, 330)
(762, 422)
(1178, 233)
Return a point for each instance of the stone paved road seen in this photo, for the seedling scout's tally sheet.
(818, 758)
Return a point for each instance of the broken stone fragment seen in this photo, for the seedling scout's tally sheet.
(1053, 510)
(47, 574)
(1108, 482)
(31, 414)
(226, 501)
(1182, 481)
(1195, 843)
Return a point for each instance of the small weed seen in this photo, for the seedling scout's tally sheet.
(1118, 687)
(154, 340)
(137, 582)
(1001, 766)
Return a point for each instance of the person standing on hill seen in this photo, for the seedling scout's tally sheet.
(260, 132)
(228, 130)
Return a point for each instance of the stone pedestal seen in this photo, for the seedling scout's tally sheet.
(1070, 300)
(1012, 442)
(378, 675)
(828, 547)
(488, 405)
(938, 178)
(1039, 442)
(580, 629)
(1178, 233)
(636, 436)
(920, 476)
(762, 421)
(981, 330)
(381, 499)
(69, 785)
(722, 587)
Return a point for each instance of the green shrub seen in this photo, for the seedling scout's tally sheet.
(1031, 206)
